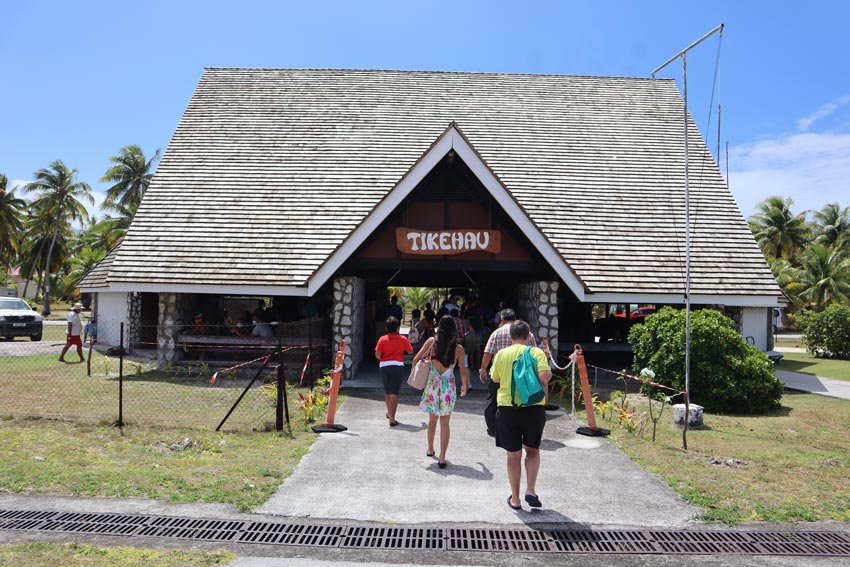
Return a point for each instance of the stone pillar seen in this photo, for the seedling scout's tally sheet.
(348, 318)
(134, 319)
(538, 306)
(170, 313)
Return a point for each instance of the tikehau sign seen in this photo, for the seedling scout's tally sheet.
(437, 242)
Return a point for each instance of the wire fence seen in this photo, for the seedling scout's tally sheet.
(115, 376)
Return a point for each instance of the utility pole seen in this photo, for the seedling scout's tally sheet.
(684, 55)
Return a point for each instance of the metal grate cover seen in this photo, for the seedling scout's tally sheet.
(582, 541)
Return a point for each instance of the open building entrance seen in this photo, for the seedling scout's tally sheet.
(449, 234)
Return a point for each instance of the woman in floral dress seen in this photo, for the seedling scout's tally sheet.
(440, 393)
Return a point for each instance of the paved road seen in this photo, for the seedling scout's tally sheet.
(380, 474)
(25, 347)
(814, 384)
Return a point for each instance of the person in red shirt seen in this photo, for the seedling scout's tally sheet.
(390, 353)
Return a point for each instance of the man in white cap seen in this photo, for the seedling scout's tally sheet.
(73, 332)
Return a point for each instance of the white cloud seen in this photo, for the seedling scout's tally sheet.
(812, 168)
(17, 184)
(805, 123)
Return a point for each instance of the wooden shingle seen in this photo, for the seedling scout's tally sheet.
(270, 170)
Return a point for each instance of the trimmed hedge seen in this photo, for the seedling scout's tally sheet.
(727, 374)
(828, 332)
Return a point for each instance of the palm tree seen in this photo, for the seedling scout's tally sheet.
(417, 296)
(131, 174)
(11, 223)
(832, 223)
(32, 252)
(788, 277)
(116, 227)
(59, 194)
(82, 264)
(824, 277)
(778, 231)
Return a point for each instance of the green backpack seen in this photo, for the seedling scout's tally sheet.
(524, 380)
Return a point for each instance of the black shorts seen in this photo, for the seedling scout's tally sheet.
(519, 426)
(392, 377)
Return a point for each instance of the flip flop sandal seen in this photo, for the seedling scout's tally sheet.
(533, 501)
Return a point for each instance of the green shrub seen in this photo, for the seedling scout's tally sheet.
(828, 332)
(727, 374)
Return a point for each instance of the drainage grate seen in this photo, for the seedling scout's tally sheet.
(394, 538)
(584, 541)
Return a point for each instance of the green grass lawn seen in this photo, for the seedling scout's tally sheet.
(77, 451)
(786, 342)
(805, 363)
(85, 555)
(53, 457)
(794, 462)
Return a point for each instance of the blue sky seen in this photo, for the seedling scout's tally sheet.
(83, 79)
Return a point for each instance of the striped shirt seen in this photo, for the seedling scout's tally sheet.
(501, 338)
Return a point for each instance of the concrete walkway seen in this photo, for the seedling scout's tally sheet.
(814, 384)
(376, 473)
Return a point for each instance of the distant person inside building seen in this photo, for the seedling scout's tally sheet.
(475, 321)
(390, 352)
(440, 393)
(242, 328)
(520, 427)
(260, 311)
(443, 310)
(429, 312)
(73, 333)
(414, 335)
(199, 325)
(452, 304)
(261, 328)
(427, 327)
(463, 331)
(394, 309)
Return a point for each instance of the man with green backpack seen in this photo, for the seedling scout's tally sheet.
(523, 374)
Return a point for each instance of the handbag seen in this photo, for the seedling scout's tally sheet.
(419, 373)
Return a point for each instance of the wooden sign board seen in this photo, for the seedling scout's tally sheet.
(439, 242)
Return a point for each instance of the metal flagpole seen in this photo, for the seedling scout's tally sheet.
(683, 55)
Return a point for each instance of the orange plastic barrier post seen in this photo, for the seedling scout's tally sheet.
(336, 377)
(591, 430)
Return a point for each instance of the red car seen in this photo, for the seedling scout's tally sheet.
(640, 313)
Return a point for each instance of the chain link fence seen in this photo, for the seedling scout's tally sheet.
(115, 377)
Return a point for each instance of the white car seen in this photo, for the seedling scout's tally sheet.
(18, 320)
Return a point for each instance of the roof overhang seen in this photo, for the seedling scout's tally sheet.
(679, 299)
(451, 139)
(234, 289)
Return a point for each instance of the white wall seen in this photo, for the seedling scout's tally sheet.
(111, 312)
(754, 323)
(30, 289)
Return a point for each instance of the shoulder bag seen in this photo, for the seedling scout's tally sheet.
(419, 373)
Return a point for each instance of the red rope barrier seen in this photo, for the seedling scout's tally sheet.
(572, 359)
(263, 358)
(304, 370)
(639, 379)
